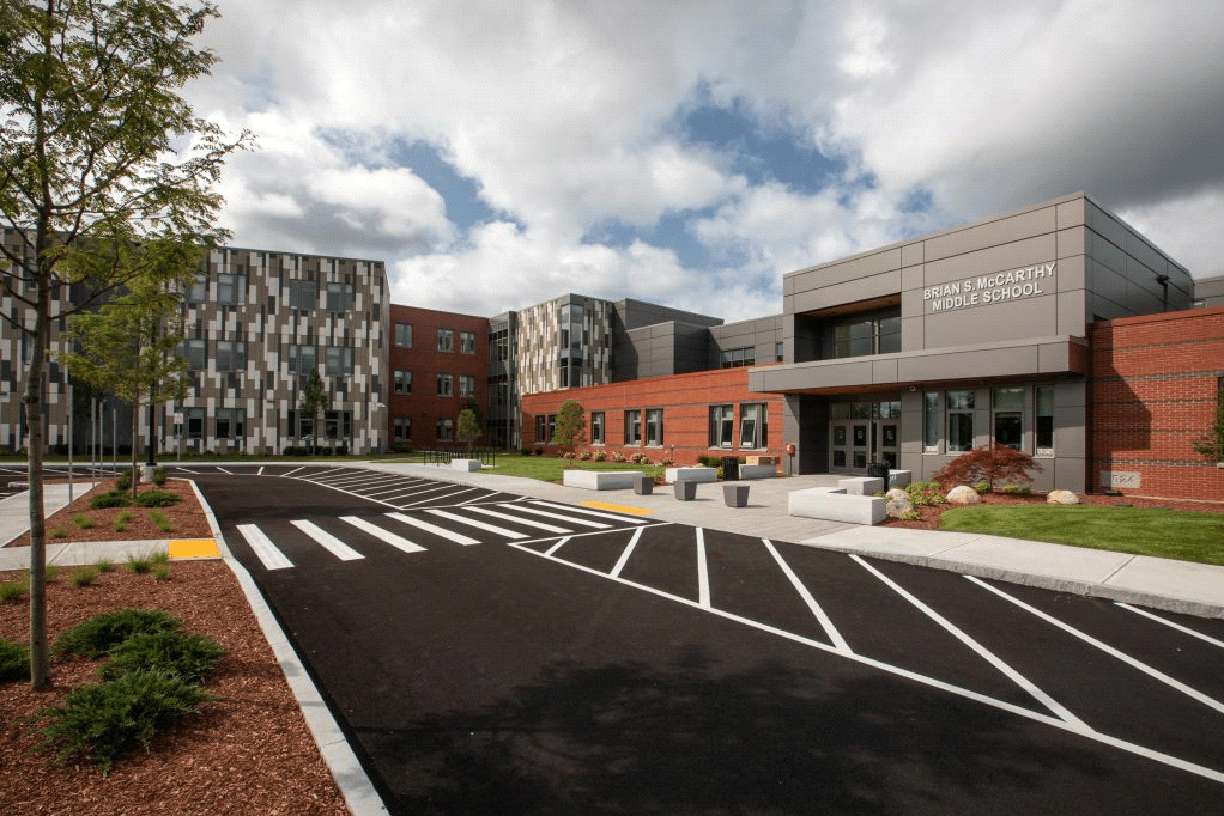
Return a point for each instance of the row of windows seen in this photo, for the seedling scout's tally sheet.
(230, 355)
(230, 423)
(1010, 418)
(746, 356)
(646, 426)
(401, 429)
(231, 290)
(444, 384)
(446, 339)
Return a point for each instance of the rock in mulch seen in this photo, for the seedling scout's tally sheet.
(898, 503)
(1062, 497)
(963, 495)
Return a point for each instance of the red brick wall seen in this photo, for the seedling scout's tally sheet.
(685, 400)
(1152, 394)
(425, 362)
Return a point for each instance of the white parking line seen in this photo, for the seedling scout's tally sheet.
(1171, 624)
(835, 637)
(442, 496)
(264, 549)
(398, 542)
(554, 547)
(703, 572)
(539, 525)
(332, 544)
(567, 519)
(1106, 648)
(596, 513)
(260, 471)
(624, 557)
(449, 535)
(1015, 676)
(479, 525)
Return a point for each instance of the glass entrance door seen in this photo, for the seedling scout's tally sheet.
(864, 432)
(850, 450)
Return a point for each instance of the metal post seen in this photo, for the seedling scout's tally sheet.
(93, 437)
(70, 439)
(115, 439)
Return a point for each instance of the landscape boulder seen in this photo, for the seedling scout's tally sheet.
(898, 503)
(963, 495)
(1062, 497)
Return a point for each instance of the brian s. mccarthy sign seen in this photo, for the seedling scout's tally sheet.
(1013, 284)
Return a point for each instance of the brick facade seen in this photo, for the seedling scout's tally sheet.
(1152, 393)
(686, 400)
(421, 404)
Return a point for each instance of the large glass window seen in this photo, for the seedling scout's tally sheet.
(339, 361)
(196, 352)
(858, 337)
(467, 385)
(197, 290)
(303, 295)
(597, 427)
(402, 428)
(960, 420)
(339, 297)
(231, 289)
(1044, 421)
(403, 335)
(654, 426)
(195, 423)
(541, 428)
(403, 382)
(722, 426)
(1009, 417)
(303, 360)
(467, 342)
(339, 424)
(633, 427)
(446, 385)
(444, 430)
(446, 340)
(231, 355)
(754, 425)
(736, 357)
(230, 423)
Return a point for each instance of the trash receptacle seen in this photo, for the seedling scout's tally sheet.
(730, 467)
(878, 470)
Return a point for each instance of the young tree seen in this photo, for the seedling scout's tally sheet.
(469, 426)
(1211, 445)
(91, 122)
(313, 398)
(571, 423)
(129, 348)
(997, 465)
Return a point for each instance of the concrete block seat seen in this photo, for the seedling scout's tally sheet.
(643, 485)
(748, 472)
(466, 465)
(600, 479)
(898, 478)
(735, 495)
(691, 474)
(835, 504)
(861, 485)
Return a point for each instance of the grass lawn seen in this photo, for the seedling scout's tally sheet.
(1184, 535)
(549, 469)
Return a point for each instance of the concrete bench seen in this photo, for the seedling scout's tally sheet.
(643, 485)
(466, 465)
(691, 474)
(835, 504)
(600, 479)
(747, 472)
(861, 485)
(898, 478)
(735, 495)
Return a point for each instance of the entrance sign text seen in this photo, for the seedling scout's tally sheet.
(996, 288)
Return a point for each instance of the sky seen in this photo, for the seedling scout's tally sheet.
(498, 154)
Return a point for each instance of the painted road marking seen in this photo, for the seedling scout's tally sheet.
(1106, 648)
(539, 525)
(332, 544)
(703, 572)
(260, 471)
(835, 637)
(567, 519)
(204, 548)
(556, 546)
(624, 558)
(442, 496)
(987, 655)
(1171, 624)
(479, 525)
(595, 513)
(618, 508)
(398, 542)
(264, 549)
(449, 535)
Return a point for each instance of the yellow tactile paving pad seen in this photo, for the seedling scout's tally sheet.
(617, 508)
(204, 548)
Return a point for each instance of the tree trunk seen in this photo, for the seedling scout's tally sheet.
(135, 457)
(40, 660)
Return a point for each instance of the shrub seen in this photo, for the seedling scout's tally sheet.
(585, 456)
(997, 465)
(539, 451)
(115, 498)
(84, 522)
(666, 461)
(52, 571)
(125, 480)
(911, 515)
(14, 590)
(982, 487)
(84, 576)
(105, 565)
(161, 572)
(105, 720)
(159, 476)
(59, 532)
(98, 635)
(524, 451)
(121, 521)
(156, 498)
(185, 655)
(161, 520)
(14, 661)
(618, 457)
(600, 456)
(925, 493)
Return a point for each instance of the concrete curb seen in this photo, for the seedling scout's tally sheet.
(359, 793)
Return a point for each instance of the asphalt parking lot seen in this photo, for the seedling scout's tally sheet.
(487, 652)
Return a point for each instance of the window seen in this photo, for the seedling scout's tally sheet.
(339, 424)
(633, 427)
(339, 297)
(1045, 421)
(303, 360)
(1009, 417)
(597, 427)
(930, 422)
(403, 335)
(339, 361)
(754, 425)
(300, 425)
(195, 423)
(879, 335)
(736, 357)
(403, 382)
(960, 420)
(197, 290)
(722, 426)
(541, 428)
(231, 355)
(231, 289)
(778, 355)
(196, 352)
(467, 342)
(303, 295)
(231, 423)
(446, 340)
(401, 428)
(444, 430)
(654, 426)
(467, 385)
(552, 426)
(446, 385)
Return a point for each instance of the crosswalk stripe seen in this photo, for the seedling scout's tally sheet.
(398, 542)
(480, 525)
(566, 519)
(539, 525)
(263, 548)
(596, 513)
(332, 544)
(624, 558)
(449, 535)
(442, 496)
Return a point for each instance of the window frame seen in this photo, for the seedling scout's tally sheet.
(467, 342)
(759, 437)
(446, 340)
(633, 427)
(237, 289)
(722, 426)
(229, 356)
(467, 386)
(403, 335)
(445, 385)
(1040, 419)
(959, 413)
(598, 427)
(342, 366)
(401, 381)
(653, 437)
